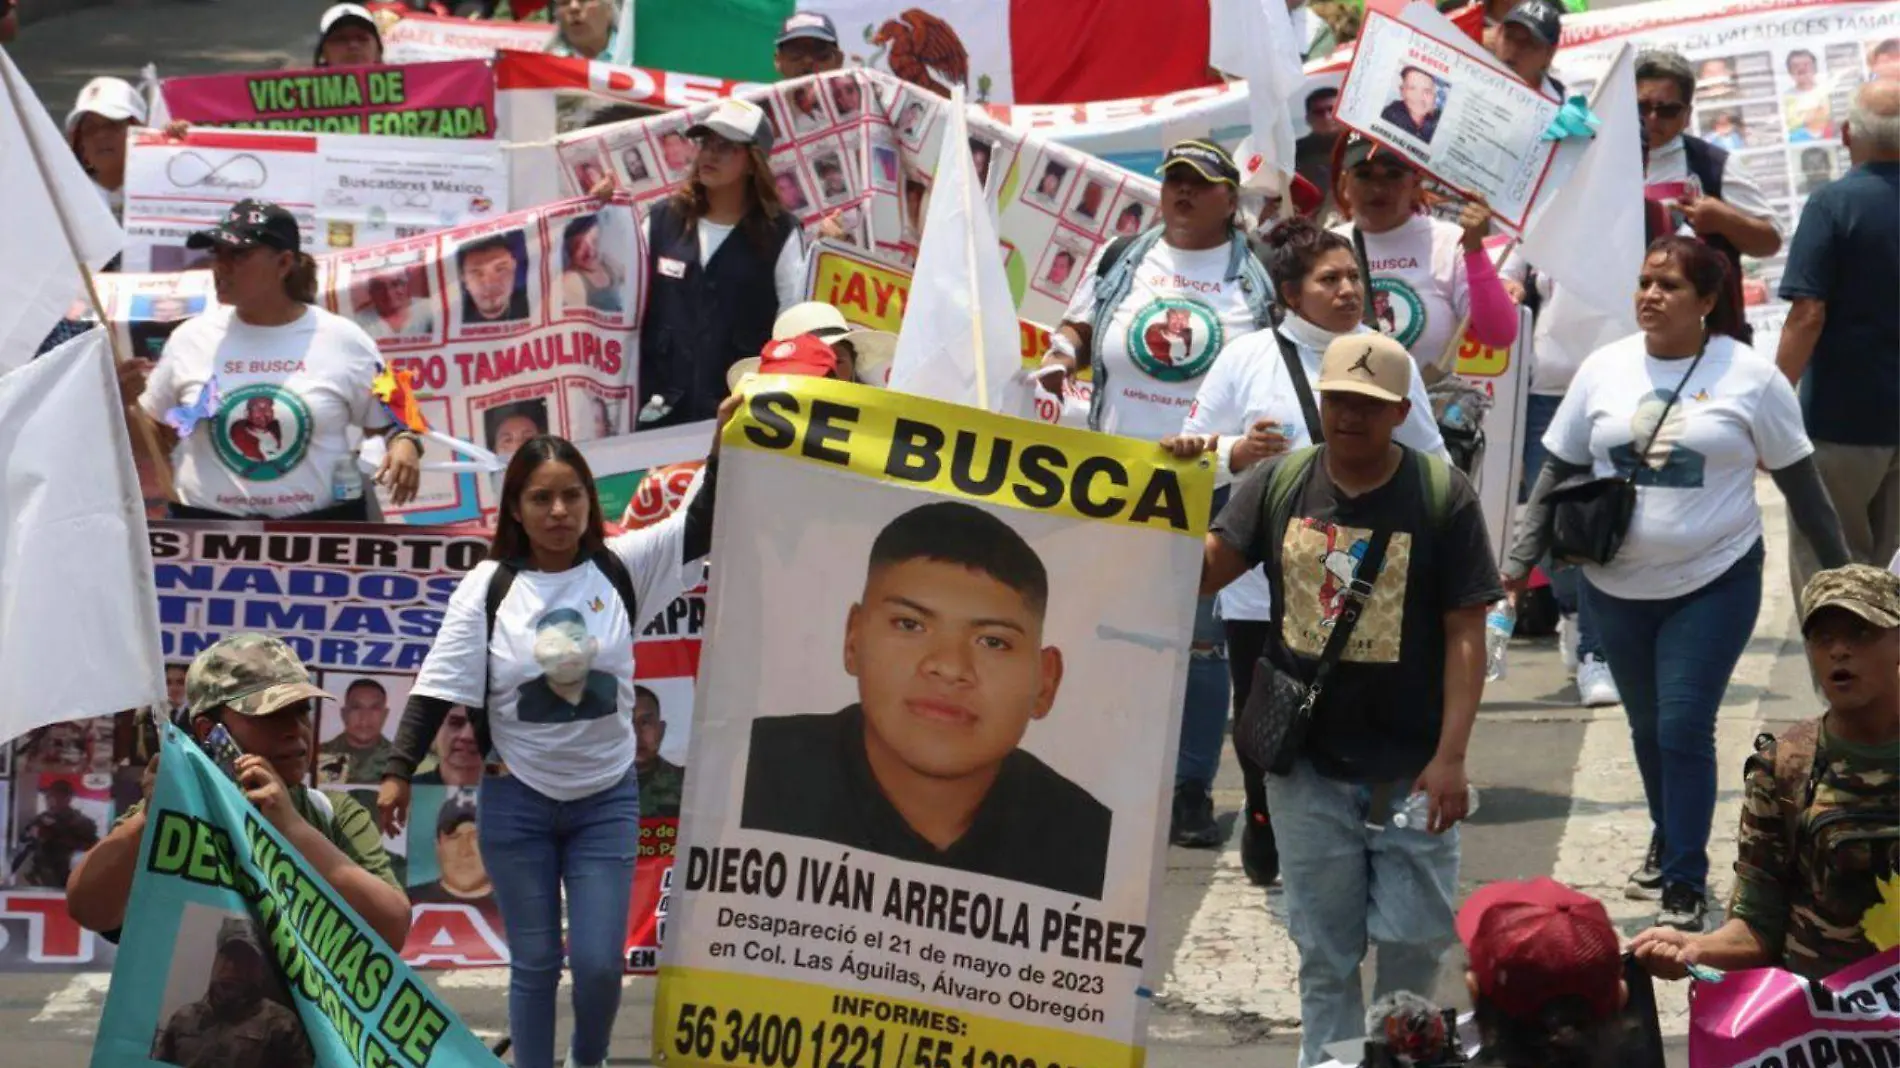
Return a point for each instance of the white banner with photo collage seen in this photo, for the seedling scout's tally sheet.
(346, 190)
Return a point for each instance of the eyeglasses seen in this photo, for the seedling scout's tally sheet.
(1661, 111)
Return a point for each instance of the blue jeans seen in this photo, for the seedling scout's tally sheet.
(534, 846)
(1348, 885)
(1204, 708)
(1672, 660)
(1566, 582)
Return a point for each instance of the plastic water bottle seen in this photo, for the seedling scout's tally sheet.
(1416, 813)
(1499, 623)
(346, 481)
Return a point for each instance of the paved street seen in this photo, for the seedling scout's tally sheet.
(1558, 783)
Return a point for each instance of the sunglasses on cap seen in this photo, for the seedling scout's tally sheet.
(1664, 111)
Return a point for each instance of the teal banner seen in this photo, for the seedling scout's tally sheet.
(235, 954)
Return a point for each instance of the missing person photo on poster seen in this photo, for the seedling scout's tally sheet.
(945, 785)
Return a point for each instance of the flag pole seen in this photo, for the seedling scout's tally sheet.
(147, 438)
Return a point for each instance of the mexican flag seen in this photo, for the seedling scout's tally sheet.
(1000, 51)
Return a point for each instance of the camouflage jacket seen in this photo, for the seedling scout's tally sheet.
(660, 789)
(271, 1037)
(338, 762)
(1820, 830)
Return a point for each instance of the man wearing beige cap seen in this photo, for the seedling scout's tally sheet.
(254, 686)
(1817, 840)
(1380, 569)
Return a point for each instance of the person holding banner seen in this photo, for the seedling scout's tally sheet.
(552, 612)
(257, 690)
(1385, 547)
(1250, 409)
(1817, 835)
(1686, 412)
(1150, 315)
(1426, 276)
(347, 36)
(807, 44)
(96, 127)
(724, 256)
(264, 388)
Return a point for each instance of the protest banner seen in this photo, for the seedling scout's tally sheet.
(264, 965)
(1453, 110)
(455, 98)
(1768, 1018)
(826, 908)
(346, 190)
(411, 36)
(1775, 80)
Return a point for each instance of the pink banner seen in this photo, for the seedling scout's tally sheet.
(450, 99)
(1769, 1018)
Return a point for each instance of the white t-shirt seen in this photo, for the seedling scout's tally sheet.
(1181, 311)
(1248, 383)
(287, 398)
(1695, 511)
(1419, 291)
(576, 741)
(1670, 163)
(788, 274)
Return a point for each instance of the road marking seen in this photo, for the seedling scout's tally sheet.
(1608, 826)
(1236, 956)
(77, 1004)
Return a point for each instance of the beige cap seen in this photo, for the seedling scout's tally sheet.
(810, 317)
(1369, 364)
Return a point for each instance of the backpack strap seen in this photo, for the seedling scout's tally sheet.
(1795, 757)
(1296, 374)
(1285, 477)
(612, 566)
(1435, 475)
(499, 584)
(1112, 254)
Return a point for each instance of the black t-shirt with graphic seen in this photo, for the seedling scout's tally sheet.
(1380, 716)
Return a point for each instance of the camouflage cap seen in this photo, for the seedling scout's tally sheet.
(1868, 592)
(252, 674)
(237, 930)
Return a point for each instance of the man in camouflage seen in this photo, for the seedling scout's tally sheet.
(1820, 826)
(661, 782)
(257, 689)
(358, 754)
(235, 1025)
(53, 836)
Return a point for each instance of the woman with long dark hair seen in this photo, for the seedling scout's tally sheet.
(1688, 412)
(265, 387)
(724, 257)
(537, 645)
(1249, 409)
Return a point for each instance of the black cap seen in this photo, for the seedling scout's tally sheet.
(809, 25)
(458, 807)
(1208, 159)
(248, 224)
(1361, 149)
(1544, 18)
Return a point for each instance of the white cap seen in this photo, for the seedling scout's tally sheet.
(338, 12)
(111, 98)
(739, 121)
(810, 317)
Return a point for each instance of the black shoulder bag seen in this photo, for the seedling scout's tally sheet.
(1279, 710)
(1587, 517)
(1296, 372)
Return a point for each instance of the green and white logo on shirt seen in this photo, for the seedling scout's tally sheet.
(262, 432)
(1398, 312)
(1175, 340)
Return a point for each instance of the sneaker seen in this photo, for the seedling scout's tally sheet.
(1646, 882)
(1595, 683)
(1567, 634)
(1259, 851)
(1193, 825)
(1684, 908)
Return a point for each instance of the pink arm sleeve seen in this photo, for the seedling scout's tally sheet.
(1493, 315)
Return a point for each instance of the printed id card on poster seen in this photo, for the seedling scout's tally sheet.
(932, 745)
(1452, 111)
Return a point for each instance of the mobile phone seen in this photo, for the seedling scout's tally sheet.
(223, 750)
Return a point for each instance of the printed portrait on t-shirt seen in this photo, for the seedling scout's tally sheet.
(1671, 465)
(1175, 339)
(261, 432)
(568, 689)
(1318, 561)
(1398, 310)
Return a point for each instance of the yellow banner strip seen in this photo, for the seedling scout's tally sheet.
(708, 1019)
(965, 452)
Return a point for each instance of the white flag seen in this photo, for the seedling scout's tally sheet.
(78, 609)
(40, 279)
(1274, 77)
(960, 341)
(1587, 235)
